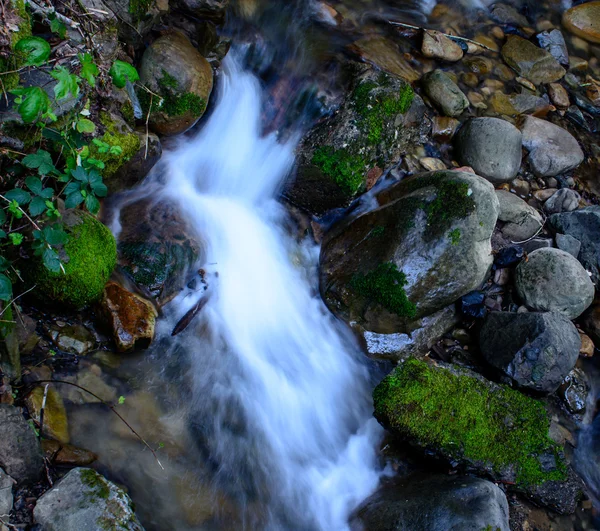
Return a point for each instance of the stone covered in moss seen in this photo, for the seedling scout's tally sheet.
(489, 428)
(89, 257)
(344, 155)
(172, 68)
(14, 60)
(426, 245)
(116, 134)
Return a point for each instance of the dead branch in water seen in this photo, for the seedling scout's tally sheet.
(190, 314)
(454, 37)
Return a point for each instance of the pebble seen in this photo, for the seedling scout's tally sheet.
(569, 244)
(444, 127)
(587, 346)
(531, 62)
(470, 79)
(584, 21)
(432, 164)
(520, 187)
(558, 95)
(564, 200)
(436, 45)
(544, 195)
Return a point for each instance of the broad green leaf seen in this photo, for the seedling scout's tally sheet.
(37, 206)
(14, 209)
(115, 150)
(51, 260)
(89, 70)
(34, 184)
(3, 235)
(55, 235)
(72, 187)
(92, 204)
(67, 83)
(121, 72)
(56, 26)
(4, 264)
(34, 104)
(5, 288)
(99, 189)
(80, 174)
(85, 126)
(16, 238)
(41, 160)
(2, 216)
(22, 197)
(73, 200)
(36, 50)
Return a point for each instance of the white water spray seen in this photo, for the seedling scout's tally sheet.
(285, 398)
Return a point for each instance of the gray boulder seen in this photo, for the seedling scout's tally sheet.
(444, 93)
(435, 503)
(20, 452)
(533, 350)
(426, 245)
(85, 500)
(563, 200)
(492, 147)
(551, 280)
(552, 149)
(521, 221)
(6, 495)
(568, 244)
(583, 225)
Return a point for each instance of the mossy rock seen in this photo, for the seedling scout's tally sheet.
(89, 258)
(56, 424)
(14, 60)
(491, 429)
(172, 68)
(344, 155)
(425, 246)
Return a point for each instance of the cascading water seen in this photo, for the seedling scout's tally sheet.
(281, 399)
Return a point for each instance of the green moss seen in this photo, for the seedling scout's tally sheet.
(376, 232)
(129, 143)
(138, 9)
(385, 285)
(96, 483)
(452, 201)
(461, 417)
(92, 254)
(454, 236)
(347, 170)
(15, 60)
(127, 113)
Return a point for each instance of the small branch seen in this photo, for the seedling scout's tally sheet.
(17, 298)
(112, 408)
(42, 411)
(45, 11)
(455, 37)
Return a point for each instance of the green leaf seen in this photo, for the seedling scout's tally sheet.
(67, 83)
(34, 184)
(35, 102)
(5, 288)
(85, 126)
(41, 160)
(14, 209)
(55, 235)
(121, 72)
(92, 204)
(72, 187)
(47, 193)
(99, 189)
(51, 260)
(74, 199)
(2, 216)
(37, 206)
(36, 50)
(121, 400)
(80, 174)
(89, 70)
(22, 197)
(16, 238)
(3, 235)
(4, 264)
(115, 150)
(56, 26)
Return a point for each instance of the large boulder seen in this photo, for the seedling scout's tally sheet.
(426, 245)
(584, 21)
(552, 149)
(84, 499)
(529, 61)
(435, 503)
(172, 68)
(520, 221)
(533, 350)
(492, 147)
(20, 452)
(551, 280)
(584, 226)
(348, 152)
(490, 429)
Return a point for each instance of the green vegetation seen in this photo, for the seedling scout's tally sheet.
(13, 60)
(377, 231)
(385, 285)
(138, 9)
(170, 102)
(103, 149)
(454, 236)
(463, 418)
(345, 169)
(96, 483)
(452, 201)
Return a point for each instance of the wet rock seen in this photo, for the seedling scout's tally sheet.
(558, 95)
(6, 495)
(521, 221)
(444, 127)
(574, 391)
(156, 247)
(130, 317)
(568, 244)
(75, 339)
(60, 454)
(529, 61)
(552, 149)
(172, 68)
(564, 200)
(375, 125)
(385, 55)
(553, 281)
(591, 322)
(84, 499)
(492, 147)
(55, 414)
(528, 103)
(487, 428)
(584, 21)
(583, 225)
(481, 66)
(436, 45)
(472, 304)
(26, 333)
(533, 350)
(432, 164)
(417, 342)
(587, 346)
(391, 266)
(206, 9)
(509, 256)
(444, 93)
(507, 14)
(20, 453)
(554, 43)
(92, 379)
(434, 503)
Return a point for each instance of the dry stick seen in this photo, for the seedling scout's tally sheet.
(456, 37)
(112, 408)
(42, 412)
(16, 298)
(45, 11)
(147, 120)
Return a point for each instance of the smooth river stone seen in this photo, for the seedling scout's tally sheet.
(584, 21)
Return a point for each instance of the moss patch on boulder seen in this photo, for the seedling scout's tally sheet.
(15, 60)
(115, 135)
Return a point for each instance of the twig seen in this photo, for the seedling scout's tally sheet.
(532, 237)
(112, 408)
(45, 11)
(42, 411)
(455, 37)
(147, 120)
(16, 298)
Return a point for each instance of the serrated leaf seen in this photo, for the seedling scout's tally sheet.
(85, 126)
(34, 184)
(80, 174)
(47, 193)
(55, 236)
(73, 200)
(67, 83)
(37, 206)
(121, 72)
(36, 50)
(5, 288)
(4, 264)
(92, 204)
(3, 235)
(72, 187)
(41, 160)
(89, 70)
(2, 216)
(22, 197)
(99, 189)
(16, 238)
(115, 150)
(56, 26)
(51, 260)
(35, 103)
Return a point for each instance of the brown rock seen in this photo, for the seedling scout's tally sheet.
(130, 317)
(529, 61)
(432, 164)
(584, 21)
(61, 454)
(558, 95)
(436, 45)
(26, 334)
(385, 55)
(502, 104)
(55, 414)
(479, 65)
(444, 127)
(544, 195)
(587, 346)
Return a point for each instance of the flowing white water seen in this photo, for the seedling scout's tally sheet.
(282, 398)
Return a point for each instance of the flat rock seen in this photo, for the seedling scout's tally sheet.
(385, 55)
(584, 21)
(436, 45)
(551, 280)
(6, 495)
(55, 415)
(61, 454)
(492, 147)
(529, 61)
(533, 350)
(521, 221)
(567, 243)
(554, 43)
(552, 149)
(564, 200)
(444, 93)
